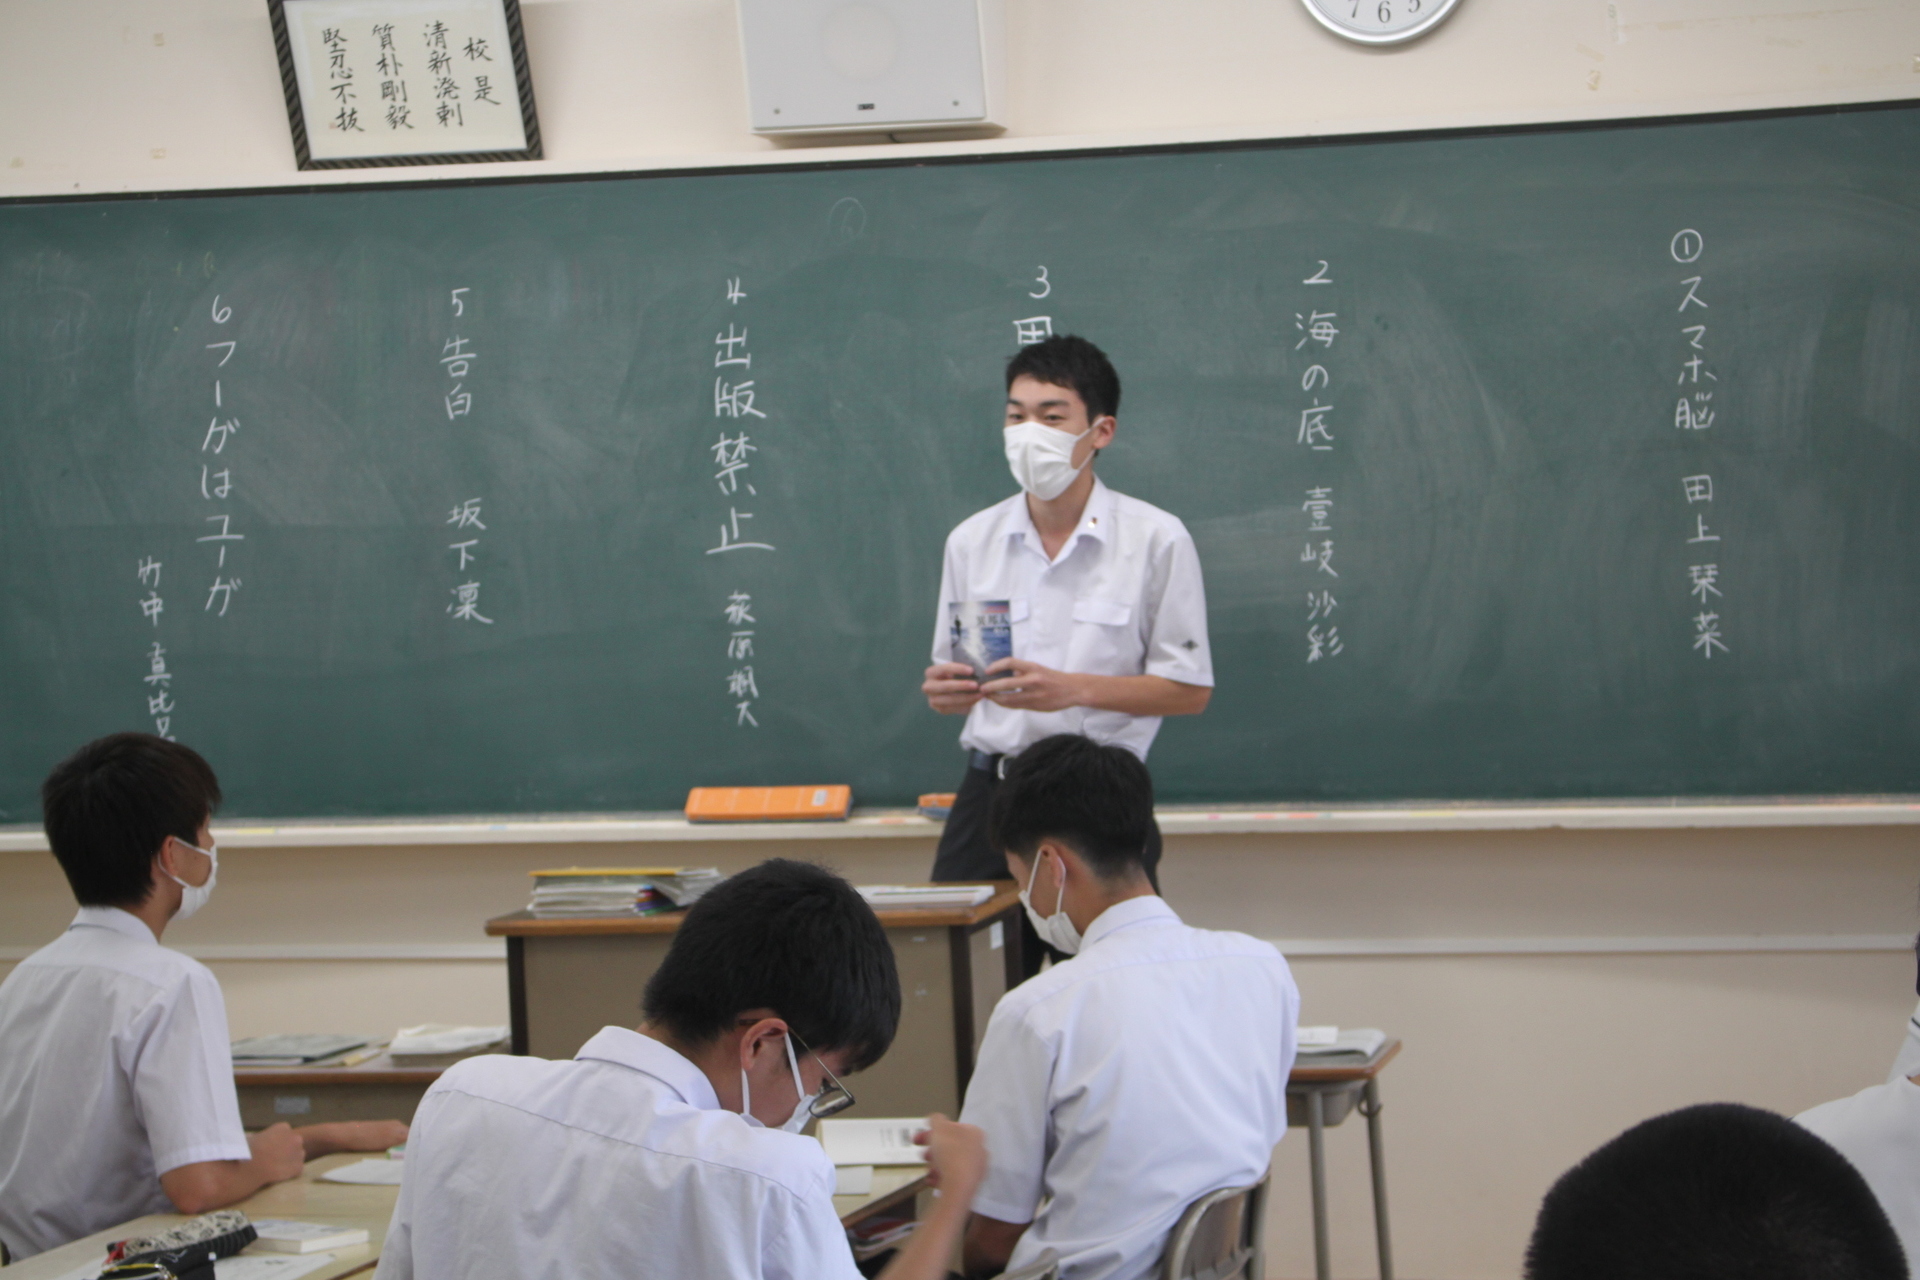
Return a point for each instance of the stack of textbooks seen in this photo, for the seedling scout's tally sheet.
(617, 891)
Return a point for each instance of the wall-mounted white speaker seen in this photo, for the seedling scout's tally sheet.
(843, 66)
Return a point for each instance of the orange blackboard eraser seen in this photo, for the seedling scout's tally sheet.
(769, 804)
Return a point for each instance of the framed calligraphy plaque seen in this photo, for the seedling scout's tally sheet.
(386, 82)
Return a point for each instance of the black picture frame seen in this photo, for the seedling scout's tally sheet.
(296, 114)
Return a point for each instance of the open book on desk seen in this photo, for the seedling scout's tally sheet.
(873, 1141)
(1337, 1046)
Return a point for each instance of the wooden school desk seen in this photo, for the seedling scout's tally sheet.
(895, 1190)
(1318, 1096)
(376, 1089)
(569, 978)
(303, 1198)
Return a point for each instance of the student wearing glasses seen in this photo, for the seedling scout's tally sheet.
(1120, 1085)
(674, 1150)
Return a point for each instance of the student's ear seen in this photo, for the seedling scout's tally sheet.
(762, 1037)
(1103, 428)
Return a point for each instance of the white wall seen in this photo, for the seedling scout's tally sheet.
(112, 95)
(1552, 987)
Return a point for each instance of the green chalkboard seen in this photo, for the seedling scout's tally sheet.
(1533, 600)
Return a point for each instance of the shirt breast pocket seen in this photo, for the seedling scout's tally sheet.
(1103, 639)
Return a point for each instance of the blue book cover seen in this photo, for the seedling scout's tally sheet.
(982, 633)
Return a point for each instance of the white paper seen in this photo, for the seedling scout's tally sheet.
(853, 1179)
(289, 1231)
(269, 1266)
(1360, 1040)
(924, 895)
(1309, 1037)
(873, 1141)
(437, 1037)
(371, 1173)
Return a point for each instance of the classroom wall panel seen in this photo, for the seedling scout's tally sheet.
(114, 95)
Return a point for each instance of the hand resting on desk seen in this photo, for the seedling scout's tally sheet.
(279, 1152)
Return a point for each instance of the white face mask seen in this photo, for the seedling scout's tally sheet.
(1041, 458)
(194, 896)
(1056, 930)
(795, 1122)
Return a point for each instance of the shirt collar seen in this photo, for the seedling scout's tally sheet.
(1124, 915)
(627, 1048)
(117, 920)
(1096, 522)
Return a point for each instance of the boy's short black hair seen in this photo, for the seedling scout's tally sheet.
(110, 805)
(1097, 800)
(1714, 1192)
(1067, 361)
(790, 937)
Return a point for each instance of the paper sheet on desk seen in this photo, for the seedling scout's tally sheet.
(372, 1173)
(853, 1179)
(873, 1141)
(283, 1266)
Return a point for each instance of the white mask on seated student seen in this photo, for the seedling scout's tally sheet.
(194, 896)
(801, 1114)
(1056, 930)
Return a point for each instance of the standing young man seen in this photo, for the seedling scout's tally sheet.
(1103, 592)
(116, 1076)
(1119, 1087)
(657, 1153)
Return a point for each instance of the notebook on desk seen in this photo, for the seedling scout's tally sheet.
(293, 1049)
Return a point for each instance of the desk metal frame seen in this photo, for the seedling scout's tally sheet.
(1344, 1087)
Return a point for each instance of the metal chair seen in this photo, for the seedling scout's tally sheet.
(1219, 1236)
(1044, 1267)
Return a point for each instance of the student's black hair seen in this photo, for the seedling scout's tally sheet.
(1714, 1192)
(1097, 800)
(1068, 361)
(110, 805)
(787, 936)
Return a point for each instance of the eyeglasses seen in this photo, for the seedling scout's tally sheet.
(835, 1097)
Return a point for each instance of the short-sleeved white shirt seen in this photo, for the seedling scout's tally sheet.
(1878, 1130)
(114, 1068)
(1123, 598)
(1119, 1086)
(619, 1162)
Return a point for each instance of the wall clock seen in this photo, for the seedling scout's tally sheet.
(1379, 21)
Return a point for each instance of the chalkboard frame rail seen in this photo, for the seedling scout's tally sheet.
(1175, 820)
(1013, 151)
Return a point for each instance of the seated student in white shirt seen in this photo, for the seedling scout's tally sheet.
(674, 1152)
(1713, 1192)
(1878, 1129)
(116, 1076)
(1151, 1068)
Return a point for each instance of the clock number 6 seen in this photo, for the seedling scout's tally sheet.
(1386, 12)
